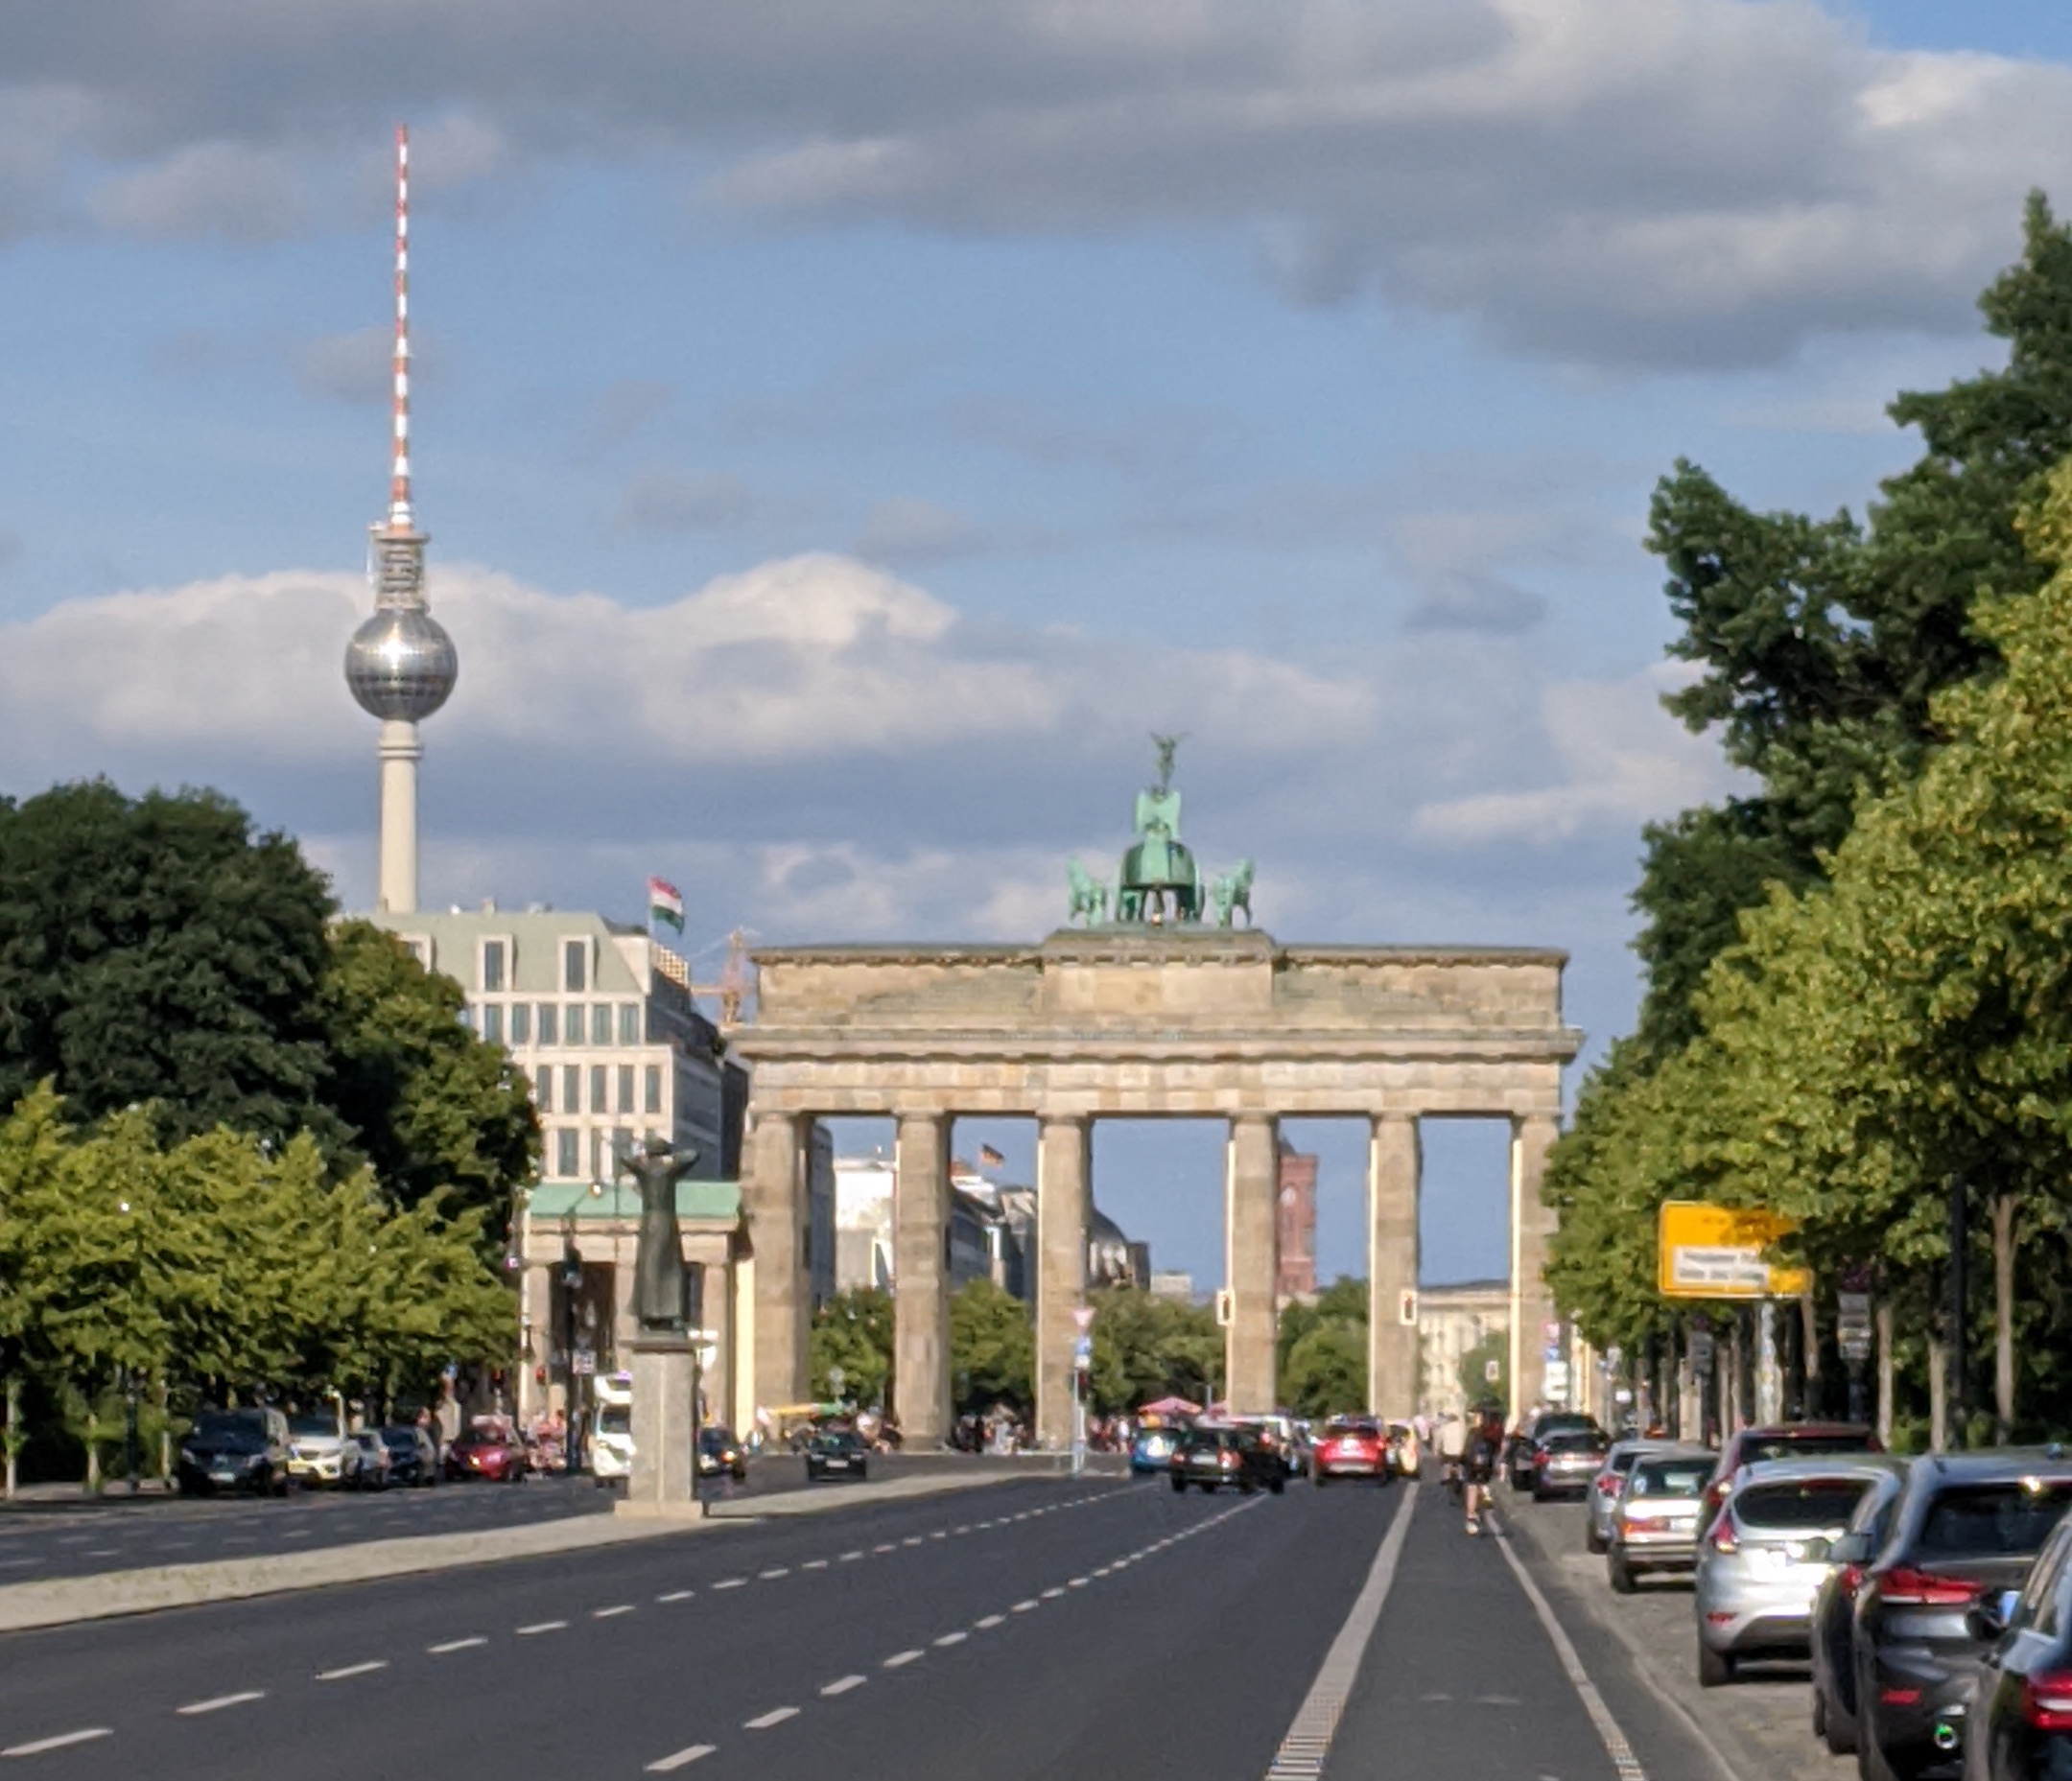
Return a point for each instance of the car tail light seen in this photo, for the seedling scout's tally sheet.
(2047, 1700)
(1608, 1486)
(1722, 1538)
(1539, 1456)
(1851, 1579)
(1906, 1587)
(1228, 1459)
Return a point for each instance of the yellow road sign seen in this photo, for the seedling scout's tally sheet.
(1717, 1251)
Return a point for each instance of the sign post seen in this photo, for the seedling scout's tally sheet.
(1082, 1365)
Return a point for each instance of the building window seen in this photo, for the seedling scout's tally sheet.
(521, 1019)
(572, 1026)
(652, 1101)
(493, 1023)
(598, 1086)
(568, 1153)
(420, 949)
(572, 1088)
(543, 1089)
(621, 1141)
(597, 1156)
(574, 966)
(493, 966)
(601, 1024)
(550, 1023)
(629, 1033)
(625, 1087)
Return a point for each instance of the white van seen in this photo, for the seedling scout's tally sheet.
(611, 1429)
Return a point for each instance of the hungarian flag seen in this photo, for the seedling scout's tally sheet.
(665, 903)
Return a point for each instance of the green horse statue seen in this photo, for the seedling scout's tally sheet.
(1231, 892)
(1089, 895)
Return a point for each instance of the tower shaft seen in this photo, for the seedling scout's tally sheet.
(401, 750)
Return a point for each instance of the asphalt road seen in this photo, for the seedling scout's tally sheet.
(121, 1534)
(1097, 1628)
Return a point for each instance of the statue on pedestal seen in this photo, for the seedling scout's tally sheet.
(661, 1283)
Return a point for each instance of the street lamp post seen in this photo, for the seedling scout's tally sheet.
(572, 1274)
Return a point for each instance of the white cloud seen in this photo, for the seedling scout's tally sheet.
(221, 189)
(1623, 759)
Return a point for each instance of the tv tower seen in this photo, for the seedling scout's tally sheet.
(400, 665)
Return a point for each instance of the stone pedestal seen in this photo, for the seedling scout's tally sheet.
(664, 1430)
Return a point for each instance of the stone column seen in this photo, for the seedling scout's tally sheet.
(1063, 1167)
(536, 1316)
(1394, 1161)
(774, 1197)
(921, 1280)
(1531, 1224)
(1252, 1262)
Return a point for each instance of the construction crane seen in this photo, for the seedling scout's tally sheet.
(737, 976)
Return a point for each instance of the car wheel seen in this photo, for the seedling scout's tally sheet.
(1837, 1729)
(1179, 1485)
(1820, 1714)
(1596, 1541)
(1539, 1495)
(863, 1474)
(1715, 1669)
(1619, 1573)
(1874, 1763)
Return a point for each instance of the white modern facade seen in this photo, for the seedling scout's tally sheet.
(1453, 1322)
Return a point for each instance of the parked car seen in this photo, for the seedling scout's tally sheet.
(235, 1450)
(2019, 1726)
(489, 1452)
(369, 1465)
(1526, 1442)
(1602, 1500)
(1766, 1555)
(320, 1450)
(1656, 1526)
(1834, 1609)
(1210, 1458)
(1151, 1449)
(1566, 1461)
(412, 1455)
(1968, 1525)
(1781, 1440)
(1349, 1447)
(836, 1453)
(717, 1451)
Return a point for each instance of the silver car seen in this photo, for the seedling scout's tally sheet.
(1601, 1502)
(1655, 1527)
(1765, 1556)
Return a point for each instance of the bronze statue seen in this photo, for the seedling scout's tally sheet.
(661, 1283)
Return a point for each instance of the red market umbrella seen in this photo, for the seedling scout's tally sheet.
(1169, 1407)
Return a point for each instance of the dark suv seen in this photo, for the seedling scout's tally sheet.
(235, 1450)
(2021, 1721)
(1968, 1526)
(1525, 1444)
(1208, 1457)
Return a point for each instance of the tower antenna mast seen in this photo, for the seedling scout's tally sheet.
(400, 516)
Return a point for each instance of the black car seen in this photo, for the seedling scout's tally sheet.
(1968, 1527)
(1831, 1633)
(2020, 1723)
(412, 1456)
(1208, 1458)
(235, 1450)
(717, 1451)
(1526, 1443)
(836, 1453)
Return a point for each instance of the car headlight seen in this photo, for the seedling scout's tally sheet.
(187, 1456)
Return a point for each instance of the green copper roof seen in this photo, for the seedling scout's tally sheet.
(719, 1201)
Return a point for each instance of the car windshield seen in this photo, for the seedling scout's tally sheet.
(712, 1440)
(1803, 1503)
(616, 1420)
(229, 1426)
(400, 1437)
(1803, 1446)
(1670, 1477)
(1578, 1440)
(841, 1442)
(1622, 1462)
(313, 1425)
(2005, 1518)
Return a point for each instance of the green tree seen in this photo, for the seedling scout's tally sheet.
(1475, 1383)
(854, 1331)
(1327, 1370)
(992, 1345)
(1145, 1348)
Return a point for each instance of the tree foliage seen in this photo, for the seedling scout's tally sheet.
(992, 1347)
(1327, 1370)
(853, 1330)
(1145, 1348)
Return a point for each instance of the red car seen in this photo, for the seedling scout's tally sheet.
(1349, 1447)
(491, 1453)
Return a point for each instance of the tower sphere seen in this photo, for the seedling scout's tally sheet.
(401, 664)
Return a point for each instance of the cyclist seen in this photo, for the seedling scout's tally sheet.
(1485, 1441)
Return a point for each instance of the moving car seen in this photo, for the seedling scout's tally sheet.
(836, 1453)
(611, 1429)
(1210, 1458)
(1565, 1463)
(1834, 1610)
(488, 1451)
(1349, 1447)
(370, 1462)
(1968, 1525)
(1656, 1528)
(1781, 1440)
(1529, 1438)
(412, 1455)
(320, 1451)
(1405, 1456)
(717, 1451)
(2020, 1722)
(1151, 1449)
(1763, 1560)
(1602, 1502)
(235, 1450)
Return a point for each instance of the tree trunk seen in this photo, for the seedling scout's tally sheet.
(1938, 1394)
(1813, 1396)
(14, 1431)
(2003, 1243)
(1884, 1316)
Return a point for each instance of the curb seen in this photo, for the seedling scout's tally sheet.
(64, 1602)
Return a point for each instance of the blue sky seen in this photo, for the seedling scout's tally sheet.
(846, 430)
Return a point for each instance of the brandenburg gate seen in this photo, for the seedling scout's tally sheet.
(1158, 1013)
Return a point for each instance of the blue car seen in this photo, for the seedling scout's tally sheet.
(1151, 1451)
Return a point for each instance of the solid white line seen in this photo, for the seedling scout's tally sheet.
(1309, 1739)
(662, 1765)
(542, 1626)
(677, 1595)
(899, 1659)
(1609, 1734)
(953, 1638)
(613, 1612)
(221, 1702)
(455, 1645)
(371, 1665)
(842, 1684)
(59, 1743)
(776, 1716)
(988, 1622)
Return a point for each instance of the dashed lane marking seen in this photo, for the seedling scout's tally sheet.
(456, 1645)
(842, 1684)
(849, 1558)
(899, 1660)
(542, 1626)
(1052, 1593)
(954, 1638)
(676, 1595)
(732, 1582)
(613, 1612)
(690, 1754)
(216, 1703)
(814, 1565)
(37, 1747)
(776, 1716)
(367, 1668)
(1022, 1607)
(986, 1622)
(775, 1570)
